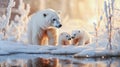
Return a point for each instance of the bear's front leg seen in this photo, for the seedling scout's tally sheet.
(81, 42)
(52, 36)
(67, 43)
(42, 38)
(74, 41)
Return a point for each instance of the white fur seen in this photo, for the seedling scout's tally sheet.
(82, 37)
(63, 40)
(38, 24)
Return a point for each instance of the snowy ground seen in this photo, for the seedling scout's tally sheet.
(90, 50)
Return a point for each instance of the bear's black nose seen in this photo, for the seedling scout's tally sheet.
(60, 26)
(69, 39)
(72, 37)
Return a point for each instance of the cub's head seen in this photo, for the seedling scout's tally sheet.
(77, 34)
(52, 18)
(65, 36)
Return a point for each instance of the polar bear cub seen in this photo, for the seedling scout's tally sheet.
(80, 37)
(64, 38)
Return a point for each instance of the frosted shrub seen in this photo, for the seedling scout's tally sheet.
(5, 20)
(109, 12)
(19, 24)
(14, 29)
(2, 20)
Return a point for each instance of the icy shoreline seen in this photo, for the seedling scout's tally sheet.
(76, 51)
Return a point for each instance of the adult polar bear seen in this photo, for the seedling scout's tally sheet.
(41, 25)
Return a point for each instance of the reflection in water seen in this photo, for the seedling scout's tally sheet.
(54, 62)
(41, 62)
(13, 63)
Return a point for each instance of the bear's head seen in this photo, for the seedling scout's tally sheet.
(77, 34)
(65, 36)
(52, 18)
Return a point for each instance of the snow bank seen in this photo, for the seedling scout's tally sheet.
(14, 48)
(3, 52)
(68, 50)
(100, 50)
(8, 47)
(90, 50)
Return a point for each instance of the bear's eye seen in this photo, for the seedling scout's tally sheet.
(54, 19)
(74, 34)
(44, 15)
(67, 36)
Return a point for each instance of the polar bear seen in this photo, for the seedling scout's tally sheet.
(80, 37)
(64, 38)
(43, 25)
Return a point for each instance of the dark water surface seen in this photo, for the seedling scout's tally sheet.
(36, 60)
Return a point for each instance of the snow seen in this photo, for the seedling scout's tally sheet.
(3, 52)
(90, 50)
(67, 50)
(99, 50)
(13, 47)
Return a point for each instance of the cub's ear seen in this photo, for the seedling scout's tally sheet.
(59, 12)
(44, 15)
(61, 33)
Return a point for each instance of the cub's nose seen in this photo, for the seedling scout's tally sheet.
(69, 39)
(60, 25)
(72, 37)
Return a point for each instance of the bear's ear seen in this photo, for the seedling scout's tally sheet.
(59, 12)
(61, 33)
(44, 15)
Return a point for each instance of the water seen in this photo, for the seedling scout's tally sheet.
(36, 60)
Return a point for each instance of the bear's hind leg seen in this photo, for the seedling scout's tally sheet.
(35, 37)
(35, 40)
(81, 42)
(29, 32)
